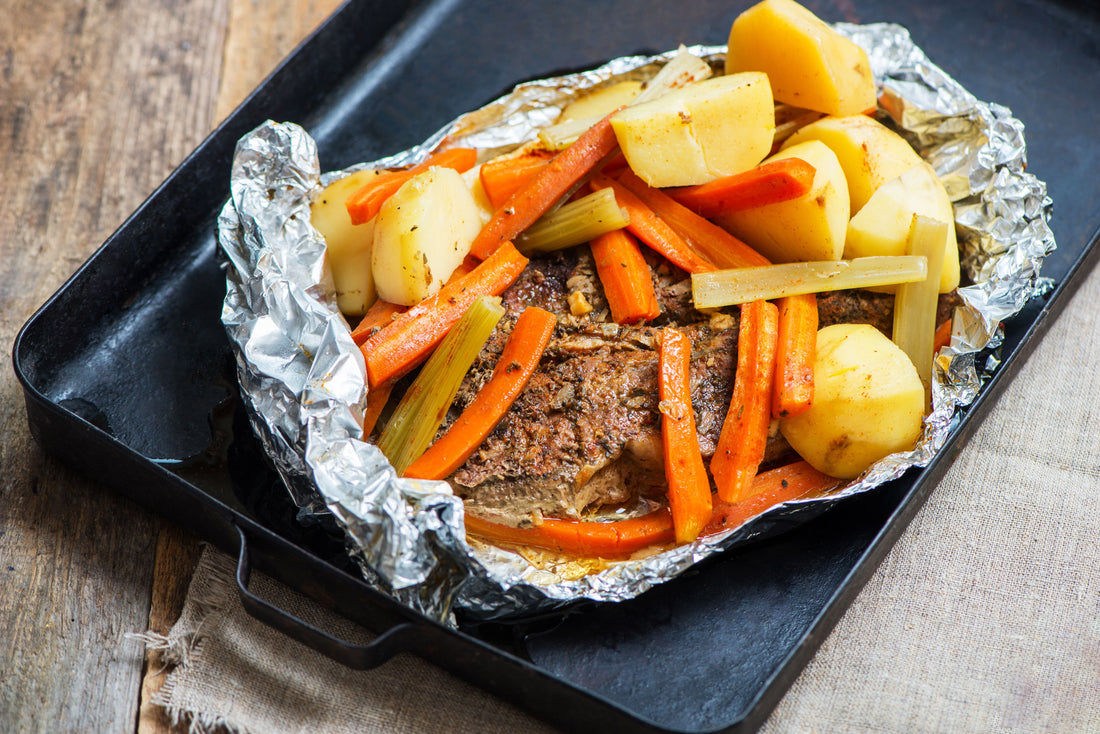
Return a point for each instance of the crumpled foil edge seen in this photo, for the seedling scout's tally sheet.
(302, 377)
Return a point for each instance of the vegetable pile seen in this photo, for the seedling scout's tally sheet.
(766, 186)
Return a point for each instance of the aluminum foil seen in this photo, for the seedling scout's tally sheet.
(303, 378)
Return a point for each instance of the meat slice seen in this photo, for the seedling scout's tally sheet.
(585, 433)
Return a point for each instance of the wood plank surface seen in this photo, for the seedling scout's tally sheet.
(99, 101)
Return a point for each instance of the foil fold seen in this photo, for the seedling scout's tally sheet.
(303, 378)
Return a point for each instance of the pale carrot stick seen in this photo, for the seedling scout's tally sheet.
(943, 336)
(377, 397)
(744, 433)
(365, 203)
(626, 278)
(712, 242)
(688, 487)
(651, 229)
(546, 187)
(408, 340)
(517, 363)
(795, 352)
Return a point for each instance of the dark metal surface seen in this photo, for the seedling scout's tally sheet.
(714, 650)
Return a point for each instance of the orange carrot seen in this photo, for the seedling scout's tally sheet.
(626, 278)
(744, 433)
(575, 537)
(365, 203)
(408, 340)
(688, 486)
(712, 242)
(653, 230)
(768, 183)
(943, 337)
(546, 187)
(502, 177)
(517, 363)
(795, 352)
(377, 397)
(621, 538)
(790, 482)
(378, 315)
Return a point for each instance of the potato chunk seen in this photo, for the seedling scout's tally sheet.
(868, 402)
(602, 101)
(701, 132)
(881, 227)
(347, 246)
(810, 227)
(809, 64)
(421, 234)
(869, 152)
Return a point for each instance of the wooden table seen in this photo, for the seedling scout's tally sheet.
(99, 102)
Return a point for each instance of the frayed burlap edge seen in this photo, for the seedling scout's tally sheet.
(212, 587)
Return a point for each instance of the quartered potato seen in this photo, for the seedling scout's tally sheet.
(348, 246)
(421, 234)
(809, 64)
(881, 227)
(811, 227)
(701, 132)
(601, 102)
(868, 402)
(869, 152)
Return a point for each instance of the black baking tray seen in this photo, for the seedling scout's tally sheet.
(128, 375)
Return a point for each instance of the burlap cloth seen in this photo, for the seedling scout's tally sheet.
(985, 617)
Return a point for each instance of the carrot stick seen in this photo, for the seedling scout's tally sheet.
(794, 359)
(688, 487)
(575, 537)
(711, 241)
(378, 315)
(651, 229)
(408, 340)
(626, 278)
(377, 398)
(502, 177)
(545, 188)
(621, 538)
(744, 433)
(768, 183)
(943, 336)
(364, 204)
(770, 488)
(517, 362)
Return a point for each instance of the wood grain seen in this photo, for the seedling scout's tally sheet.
(258, 37)
(99, 101)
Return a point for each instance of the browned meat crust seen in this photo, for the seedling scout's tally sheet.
(585, 434)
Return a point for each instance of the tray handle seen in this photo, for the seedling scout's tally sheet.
(396, 639)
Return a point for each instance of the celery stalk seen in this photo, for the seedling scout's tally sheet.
(417, 418)
(916, 303)
(682, 69)
(742, 285)
(574, 223)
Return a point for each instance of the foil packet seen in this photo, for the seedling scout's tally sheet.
(303, 379)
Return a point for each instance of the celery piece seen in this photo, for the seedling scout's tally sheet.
(682, 69)
(422, 409)
(741, 285)
(574, 223)
(916, 303)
